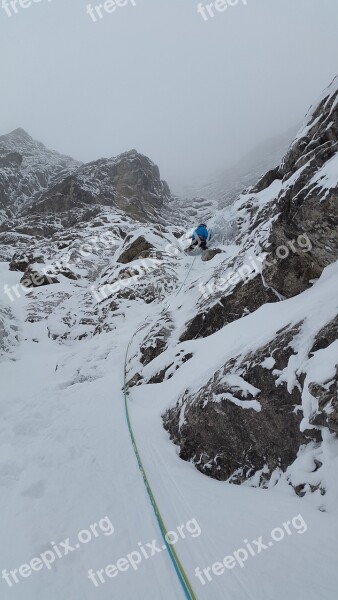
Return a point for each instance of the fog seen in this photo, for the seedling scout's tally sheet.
(192, 91)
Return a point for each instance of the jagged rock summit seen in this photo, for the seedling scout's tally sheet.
(27, 168)
(43, 192)
(130, 183)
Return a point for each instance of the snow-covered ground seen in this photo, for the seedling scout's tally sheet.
(77, 522)
(67, 462)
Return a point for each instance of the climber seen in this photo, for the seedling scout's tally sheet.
(199, 238)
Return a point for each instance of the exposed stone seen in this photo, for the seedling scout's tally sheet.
(10, 160)
(225, 435)
(267, 180)
(245, 299)
(210, 254)
(35, 279)
(135, 380)
(326, 336)
(306, 207)
(138, 247)
(327, 396)
(128, 273)
(155, 343)
(130, 183)
(21, 261)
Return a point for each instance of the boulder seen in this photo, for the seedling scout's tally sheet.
(21, 261)
(32, 279)
(139, 248)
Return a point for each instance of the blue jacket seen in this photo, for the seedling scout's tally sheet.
(201, 232)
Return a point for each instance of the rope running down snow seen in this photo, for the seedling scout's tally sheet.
(172, 553)
(181, 574)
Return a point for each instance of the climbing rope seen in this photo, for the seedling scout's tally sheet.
(182, 576)
(191, 266)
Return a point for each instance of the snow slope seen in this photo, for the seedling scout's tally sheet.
(67, 462)
(73, 500)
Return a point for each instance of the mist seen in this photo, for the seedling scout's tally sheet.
(193, 94)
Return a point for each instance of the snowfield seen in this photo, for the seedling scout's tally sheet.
(230, 360)
(67, 462)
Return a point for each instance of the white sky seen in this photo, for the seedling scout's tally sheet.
(192, 95)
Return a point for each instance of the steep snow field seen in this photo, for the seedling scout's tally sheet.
(67, 462)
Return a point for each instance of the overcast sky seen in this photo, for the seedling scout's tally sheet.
(191, 94)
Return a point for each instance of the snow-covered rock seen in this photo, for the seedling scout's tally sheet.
(27, 168)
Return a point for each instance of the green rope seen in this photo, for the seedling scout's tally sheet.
(183, 578)
(191, 266)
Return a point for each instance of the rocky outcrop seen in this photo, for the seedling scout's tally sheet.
(309, 205)
(43, 192)
(21, 261)
(246, 397)
(257, 413)
(137, 249)
(224, 309)
(267, 180)
(27, 168)
(240, 423)
(327, 396)
(130, 183)
(210, 254)
(32, 279)
(325, 337)
(155, 342)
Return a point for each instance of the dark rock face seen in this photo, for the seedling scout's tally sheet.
(10, 160)
(42, 191)
(267, 180)
(327, 393)
(32, 227)
(21, 261)
(155, 342)
(327, 396)
(168, 371)
(307, 208)
(244, 423)
(139, 248)
(130, 183)
(34, 279)
(27, 168)
(240, 423)
(24, 262)
(326, 336)
(245, 298)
